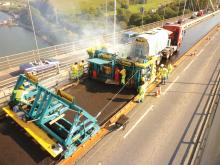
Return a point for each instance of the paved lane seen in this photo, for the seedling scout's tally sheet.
(164, 133)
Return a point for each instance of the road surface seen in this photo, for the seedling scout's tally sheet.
(161, 130)
(211, 153)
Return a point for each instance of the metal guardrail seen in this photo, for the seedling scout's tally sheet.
(15, 60)
(203, 132)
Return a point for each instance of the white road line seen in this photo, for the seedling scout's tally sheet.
(170, 85)
(188, 66)
(139, 120)
(202, 50)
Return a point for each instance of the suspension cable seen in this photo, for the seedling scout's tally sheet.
(192, 5)
(32, 23)
(184, 8)
(178, 9)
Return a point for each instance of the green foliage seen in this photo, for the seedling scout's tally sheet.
(135, 19)
(123, 24)
(123, 15)
(124, 5)
(156, 17)
(147, 19)
(169, 12)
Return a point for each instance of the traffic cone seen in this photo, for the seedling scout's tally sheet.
(158, 92)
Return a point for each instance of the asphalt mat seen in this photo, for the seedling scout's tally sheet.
(18, 148)
(93, 96)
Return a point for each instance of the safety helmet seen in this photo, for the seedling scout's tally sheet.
(162, 65)
(142, 79)
(21, 87)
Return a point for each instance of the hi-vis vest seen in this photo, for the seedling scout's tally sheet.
(18, 94)
(123, 72)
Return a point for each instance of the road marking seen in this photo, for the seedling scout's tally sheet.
(170, 85)
(188, 66)
(139, 120)
(200, 52)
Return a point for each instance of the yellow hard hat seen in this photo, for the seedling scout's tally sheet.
(142, 79)
(21, 87)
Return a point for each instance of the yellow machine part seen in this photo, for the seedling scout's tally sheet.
(38, 134)
(31, 77)
(65, 95)
(106, 56)
(125, 62)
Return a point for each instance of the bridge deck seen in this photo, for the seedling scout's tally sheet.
(93, 96)
(18, 148)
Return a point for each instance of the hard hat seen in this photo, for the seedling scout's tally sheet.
(142, 79)
(162, 65)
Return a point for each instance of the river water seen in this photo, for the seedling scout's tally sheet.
(16, 39)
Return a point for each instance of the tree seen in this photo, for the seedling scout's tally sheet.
(169, 12)
(123, 15)
(124, 5)
(147, 19)
(156, 17)
(135, 19)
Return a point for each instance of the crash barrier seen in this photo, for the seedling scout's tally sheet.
(206, 122)
(15, 60)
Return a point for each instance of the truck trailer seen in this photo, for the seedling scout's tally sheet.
(159, 42)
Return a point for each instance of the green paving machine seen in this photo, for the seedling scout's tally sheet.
(107, 67)
(55, 121)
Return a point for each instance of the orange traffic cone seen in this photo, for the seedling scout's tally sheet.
(158, 92)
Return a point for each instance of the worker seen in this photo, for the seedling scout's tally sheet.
(94, 74)
(90, 52)
(117, 75)
(81, 68)
(19, 95)
(159, 71)
(75, 71)
(123, 76)
(163, 73)
(141, 91)
(170, 69)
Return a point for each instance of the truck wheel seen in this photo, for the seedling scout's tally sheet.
(171, 52)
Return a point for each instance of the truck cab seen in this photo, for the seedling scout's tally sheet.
(176, 36)
(200, 13)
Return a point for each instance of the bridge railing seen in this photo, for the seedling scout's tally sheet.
(15, 60)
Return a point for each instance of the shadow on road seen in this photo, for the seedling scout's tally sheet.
(192, 119)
